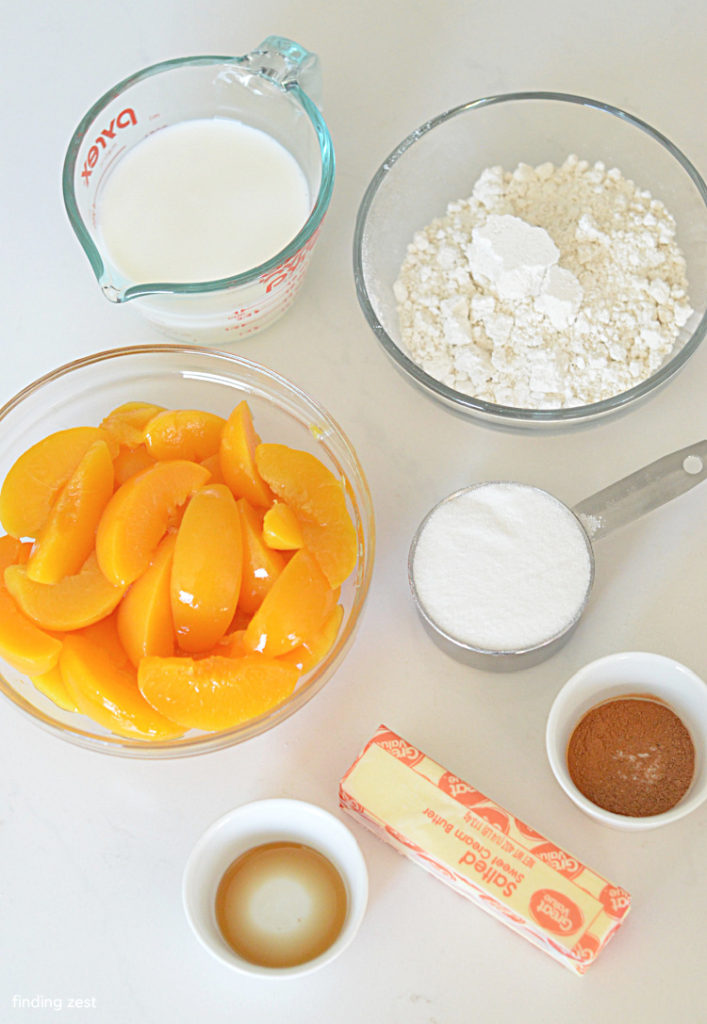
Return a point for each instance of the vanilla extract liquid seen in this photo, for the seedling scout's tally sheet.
(281, 904)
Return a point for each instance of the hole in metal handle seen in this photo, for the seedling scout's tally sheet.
(693, 464)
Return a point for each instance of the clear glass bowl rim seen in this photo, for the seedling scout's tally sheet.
(205, 742)
(99, 267)
(511, 414)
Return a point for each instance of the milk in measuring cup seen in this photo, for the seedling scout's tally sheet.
(201, 200)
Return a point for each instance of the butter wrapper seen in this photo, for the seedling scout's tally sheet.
(482, 851)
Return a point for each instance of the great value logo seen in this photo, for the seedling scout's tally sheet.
(615, 900)
(556, 912)
(125, 119)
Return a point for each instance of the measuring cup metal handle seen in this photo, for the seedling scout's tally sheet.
(287, 63)
(644, 490)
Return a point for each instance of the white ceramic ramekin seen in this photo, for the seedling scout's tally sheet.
(253, 824)
(618, 675)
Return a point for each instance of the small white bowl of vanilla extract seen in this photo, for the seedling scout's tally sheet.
(276, 888)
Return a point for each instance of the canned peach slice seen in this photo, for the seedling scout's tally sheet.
(206, 568)
(68, 536)
(52, 685)
(108, 693)
(281, 529)
(213, 464)
(215, 692)
(73, 602)
(144, 616)
(22, 643)
(104, 633)
(261, 565)
(318, 500)
(231, 645)
(13, 552)
(307, 655)
(184, 434)
(38, 475)
(130, 461)
(238, 444)
(293, 610)
(126, 424)
(137, 516)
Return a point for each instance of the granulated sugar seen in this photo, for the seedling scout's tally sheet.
(549, 287)
(502, 567)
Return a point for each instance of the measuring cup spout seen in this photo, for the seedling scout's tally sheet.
(112, 293)
(288, 64)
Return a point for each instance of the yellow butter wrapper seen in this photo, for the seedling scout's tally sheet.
(482, 851)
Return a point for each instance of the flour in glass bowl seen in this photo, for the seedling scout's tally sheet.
(549, 287)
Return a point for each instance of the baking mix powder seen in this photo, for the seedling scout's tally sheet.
(548, 287)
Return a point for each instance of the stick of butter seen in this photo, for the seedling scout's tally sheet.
(483, 852)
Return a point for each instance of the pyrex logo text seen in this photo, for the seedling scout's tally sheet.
(124, 119)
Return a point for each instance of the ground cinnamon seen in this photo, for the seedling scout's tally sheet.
(632, 756)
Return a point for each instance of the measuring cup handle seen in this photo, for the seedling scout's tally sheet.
(287, 63)
(644, 490)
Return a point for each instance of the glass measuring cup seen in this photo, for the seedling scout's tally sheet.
(595, 516)
(275, 88)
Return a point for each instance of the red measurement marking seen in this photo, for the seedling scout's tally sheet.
(125, 119)
(298, 262)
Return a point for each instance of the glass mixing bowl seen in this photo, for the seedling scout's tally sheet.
(440, 161)
(83, 392)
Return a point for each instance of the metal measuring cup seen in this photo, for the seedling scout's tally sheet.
(599, 514)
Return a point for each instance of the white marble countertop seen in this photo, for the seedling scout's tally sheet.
(92, 848)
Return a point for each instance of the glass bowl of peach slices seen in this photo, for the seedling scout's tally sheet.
(186, 545)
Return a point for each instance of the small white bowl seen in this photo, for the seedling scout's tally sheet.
(253, 824)
(617, 675)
